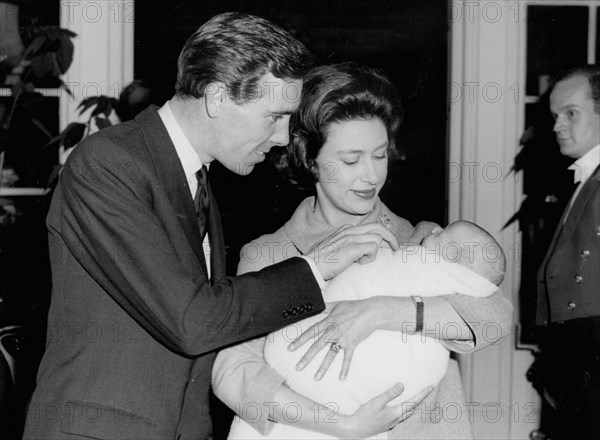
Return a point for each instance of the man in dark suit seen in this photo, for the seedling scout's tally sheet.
(140, 300)
(569, 277)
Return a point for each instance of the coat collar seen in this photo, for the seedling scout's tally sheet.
(305, 230)
(170, 174)
(580, 202)
(566, 228)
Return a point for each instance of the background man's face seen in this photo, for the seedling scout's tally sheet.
(577, 125)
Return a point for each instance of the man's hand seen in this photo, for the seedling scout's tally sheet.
(349, 244)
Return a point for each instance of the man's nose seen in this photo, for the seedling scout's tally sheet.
(281, 137)
(558, 124)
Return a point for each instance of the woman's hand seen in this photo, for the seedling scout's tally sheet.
(375, 416)
(422, 230)
(347, 325)
(372, 418)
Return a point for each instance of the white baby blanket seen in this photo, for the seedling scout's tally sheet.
(386, 357)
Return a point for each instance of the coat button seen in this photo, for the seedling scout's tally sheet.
(585, 253)
(571, 305)
(578, 279)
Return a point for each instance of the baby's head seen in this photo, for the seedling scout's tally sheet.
(466, 243)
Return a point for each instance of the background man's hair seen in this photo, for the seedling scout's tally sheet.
(238, 50)
(589, 71)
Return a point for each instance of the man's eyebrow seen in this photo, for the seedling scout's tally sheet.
(567, 106)
(564, 107)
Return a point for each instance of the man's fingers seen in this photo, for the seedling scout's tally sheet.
(390, 239)
(377, 229)
(368, 251)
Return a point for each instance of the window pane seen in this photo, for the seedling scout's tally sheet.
(556, 39)
(597, 36)
(25, 146)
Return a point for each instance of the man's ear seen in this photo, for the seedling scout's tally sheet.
(215, 96)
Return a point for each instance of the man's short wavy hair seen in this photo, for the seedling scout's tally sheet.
(589, 71)
(336, 93)
(238, 50)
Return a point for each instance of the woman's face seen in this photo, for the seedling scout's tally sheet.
(352, 169)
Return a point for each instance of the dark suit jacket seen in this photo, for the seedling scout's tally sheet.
(569, 277)
(134, 323)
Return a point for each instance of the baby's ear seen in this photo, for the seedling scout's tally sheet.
(422, 230)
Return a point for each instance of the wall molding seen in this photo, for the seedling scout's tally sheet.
(486, 95)
(103, 58)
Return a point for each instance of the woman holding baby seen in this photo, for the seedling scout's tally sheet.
(341, 138)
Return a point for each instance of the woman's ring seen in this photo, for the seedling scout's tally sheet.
(335, 347)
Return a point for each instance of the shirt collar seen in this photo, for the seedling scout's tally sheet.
(586, 164)
(187, 155)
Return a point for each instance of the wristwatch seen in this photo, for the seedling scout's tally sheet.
(418, 302)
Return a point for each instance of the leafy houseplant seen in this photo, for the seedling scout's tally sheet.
(99, 118)
(547, 185)
(46, 57)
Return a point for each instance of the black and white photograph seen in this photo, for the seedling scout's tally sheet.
(334, 219)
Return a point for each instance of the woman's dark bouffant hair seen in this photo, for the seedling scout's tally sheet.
(336, 93)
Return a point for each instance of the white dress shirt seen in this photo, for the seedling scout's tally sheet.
(583, 167)
(191, 163)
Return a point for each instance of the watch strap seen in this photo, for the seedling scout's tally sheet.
(420, 309)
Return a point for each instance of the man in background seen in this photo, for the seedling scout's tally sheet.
(569, 277)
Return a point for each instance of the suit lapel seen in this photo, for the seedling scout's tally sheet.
(171, 175)
(566, 228)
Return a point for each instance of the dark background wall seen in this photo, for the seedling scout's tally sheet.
(405, 38)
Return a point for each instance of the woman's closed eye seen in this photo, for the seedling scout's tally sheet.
(351, 159)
